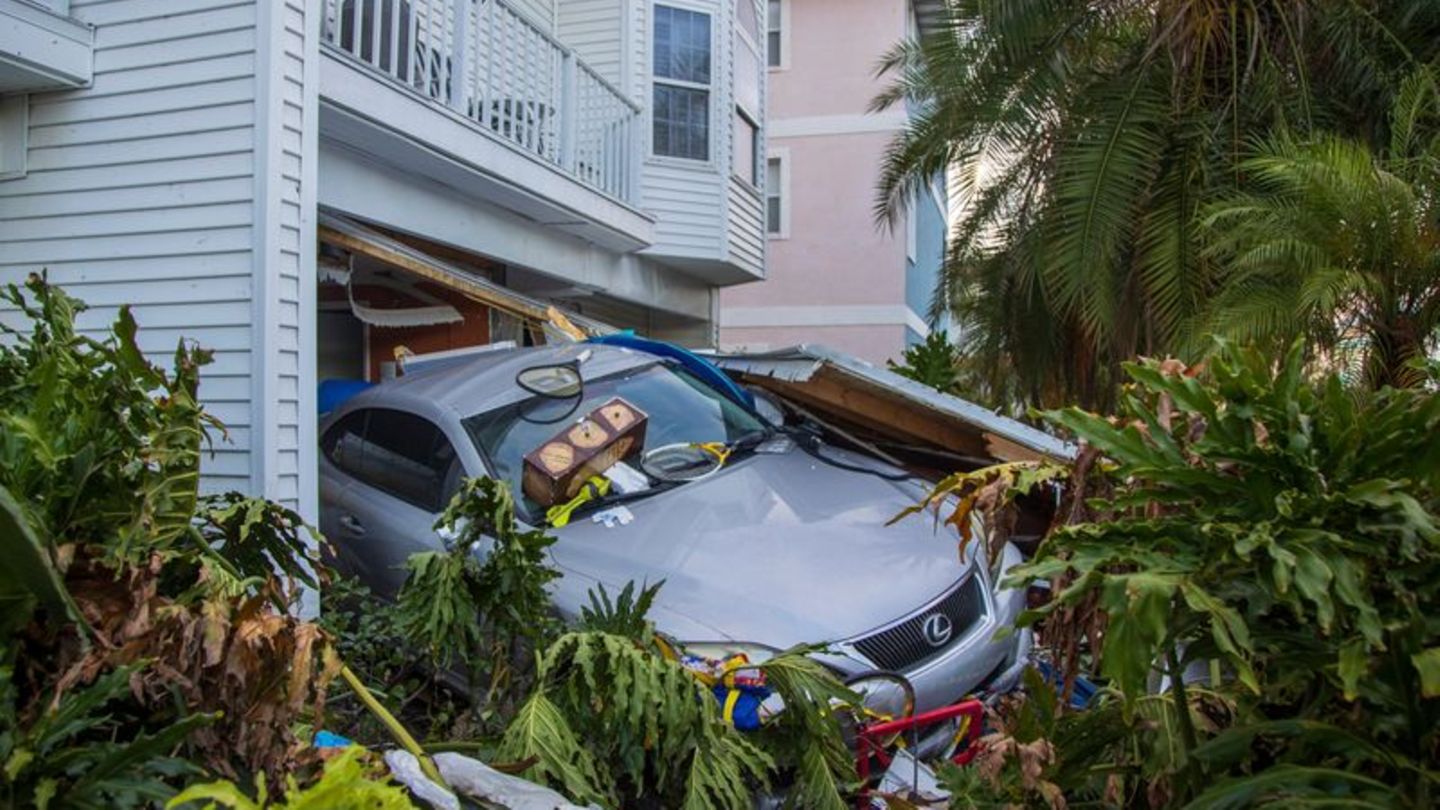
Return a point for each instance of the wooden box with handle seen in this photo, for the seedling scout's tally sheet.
(555, 471)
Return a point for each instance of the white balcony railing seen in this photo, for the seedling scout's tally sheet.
(488, 62)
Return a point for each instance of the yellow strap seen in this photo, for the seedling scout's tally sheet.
(731, 699)
(559, 515)
(716, 449)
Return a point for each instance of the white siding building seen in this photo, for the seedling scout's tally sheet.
(256, 175)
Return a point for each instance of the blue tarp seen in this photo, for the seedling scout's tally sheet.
(694, 363)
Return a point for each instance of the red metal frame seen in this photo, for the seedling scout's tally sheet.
(868, 739)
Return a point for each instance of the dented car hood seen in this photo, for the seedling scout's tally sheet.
(777, 548)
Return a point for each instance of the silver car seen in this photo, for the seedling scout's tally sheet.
(785, 542)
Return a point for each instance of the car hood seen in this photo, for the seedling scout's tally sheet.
(776, 549)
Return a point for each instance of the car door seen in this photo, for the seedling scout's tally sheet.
(341, 449)
(407, 472)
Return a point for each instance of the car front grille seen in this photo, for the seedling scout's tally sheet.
(904, 645)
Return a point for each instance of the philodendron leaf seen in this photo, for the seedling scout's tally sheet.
(26, 569)
(1139, 606)
(1313, 577)
(1354, 661)
(1427, 663)
(1231, 634)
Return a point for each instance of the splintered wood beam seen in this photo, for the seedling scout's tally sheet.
(885, 413)
(357, 238)
(428, 271)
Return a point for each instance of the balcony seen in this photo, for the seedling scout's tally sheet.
(41, 48)
(509, 79)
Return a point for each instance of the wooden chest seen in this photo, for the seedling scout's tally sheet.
(555, 471)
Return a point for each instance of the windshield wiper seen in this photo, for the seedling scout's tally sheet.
(746, 443)
(617, 498)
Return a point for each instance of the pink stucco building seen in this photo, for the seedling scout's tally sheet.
(833, 275)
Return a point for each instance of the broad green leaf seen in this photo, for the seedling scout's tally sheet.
(26, 568)
(1139, 607)
(1354, 661)
(1312, 578)
(1427, 663)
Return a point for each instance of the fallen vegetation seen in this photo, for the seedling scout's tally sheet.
(1247, 556)
(151, 639)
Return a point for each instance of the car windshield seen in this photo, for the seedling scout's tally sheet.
(680, 407)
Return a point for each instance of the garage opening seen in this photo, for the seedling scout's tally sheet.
(388, 300)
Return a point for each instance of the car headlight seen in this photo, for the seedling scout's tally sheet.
(884, 695)
(721, 650)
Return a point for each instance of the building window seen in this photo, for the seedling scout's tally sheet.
(774, 211)
(772, 34)
(747, 148)
(682, 83)
(14, 126)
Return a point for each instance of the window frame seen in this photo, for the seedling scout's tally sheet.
(710, 90)
(756, 176)
(14, 135)
(783, 63)
(782, 192)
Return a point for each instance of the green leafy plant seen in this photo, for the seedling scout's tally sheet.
(805, 739)
(611, 719)
(1084, 140)
(934, 362)
(1247, 557)
(98, 445)
(85, 750)
(484, 616)
(113, 563)
(1334, 241)
(625, 616)
(367, 634)
(614, 718)
(349, 781)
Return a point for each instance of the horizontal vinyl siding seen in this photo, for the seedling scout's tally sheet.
(140, 190)
(687, 205)
(747, 227)
(690, 200)
(540, 12)
(592, 28)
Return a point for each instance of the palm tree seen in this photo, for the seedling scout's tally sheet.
(1084, 137)
(1333, 242)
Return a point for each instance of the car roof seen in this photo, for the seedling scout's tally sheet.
(488, 382)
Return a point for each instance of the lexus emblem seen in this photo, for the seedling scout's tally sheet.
(937, 629)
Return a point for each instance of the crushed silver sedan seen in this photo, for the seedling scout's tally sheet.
(766, 537)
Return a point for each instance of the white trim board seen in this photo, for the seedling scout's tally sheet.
(890, 121)
(839, 315)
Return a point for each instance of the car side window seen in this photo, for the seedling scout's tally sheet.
(344, 442)
(407, 456)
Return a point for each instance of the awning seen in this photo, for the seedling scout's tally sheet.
(882, 402)
(357, 238)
